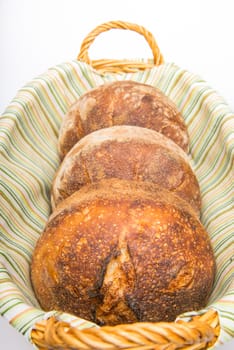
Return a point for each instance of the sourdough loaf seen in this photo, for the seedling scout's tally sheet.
(127, 152)
(118, 103)
(121, 251)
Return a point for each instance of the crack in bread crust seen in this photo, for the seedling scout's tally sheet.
(118, 282)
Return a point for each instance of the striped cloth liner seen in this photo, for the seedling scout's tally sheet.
(28, 161)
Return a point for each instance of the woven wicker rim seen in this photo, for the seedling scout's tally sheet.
(120, 66)
(199, 333)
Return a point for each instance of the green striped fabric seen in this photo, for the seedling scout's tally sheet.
(28, 160)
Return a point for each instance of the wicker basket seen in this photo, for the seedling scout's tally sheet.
(29, 130)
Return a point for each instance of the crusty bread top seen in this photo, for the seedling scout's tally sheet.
(122, 103)
(128, 152)
(117, 189)
(120, 251)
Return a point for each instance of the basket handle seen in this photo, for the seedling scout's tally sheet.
(199, 333)
(118, 66)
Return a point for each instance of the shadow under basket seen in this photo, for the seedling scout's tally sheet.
(28, 160)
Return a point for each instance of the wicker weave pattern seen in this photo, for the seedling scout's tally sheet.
(199, 333)
(119, 66)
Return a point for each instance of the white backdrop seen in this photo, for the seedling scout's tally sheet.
(37, 34)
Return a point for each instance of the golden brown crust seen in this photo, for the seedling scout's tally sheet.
(118, 251)
(127, 152)
(118, 103)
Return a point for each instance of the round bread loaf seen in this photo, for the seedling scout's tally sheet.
(127, 152)
(122, 103)
(121, 251)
